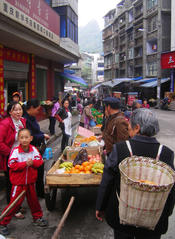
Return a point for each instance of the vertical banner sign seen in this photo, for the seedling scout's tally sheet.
(33, 78)
(1, 81)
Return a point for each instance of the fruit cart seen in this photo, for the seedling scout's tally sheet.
(66, 180)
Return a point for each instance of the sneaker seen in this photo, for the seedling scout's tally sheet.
(19, 215)
(4, 230)
(40, 222)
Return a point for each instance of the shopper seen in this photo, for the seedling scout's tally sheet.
(116, 126)
(9, 128)
(64, 116)
(31, 111)
(23, 163)
(52, 118)
(143, 127)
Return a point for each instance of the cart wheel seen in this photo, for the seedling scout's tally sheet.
(50, 198)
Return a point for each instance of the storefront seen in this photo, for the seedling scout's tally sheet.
(31, 51)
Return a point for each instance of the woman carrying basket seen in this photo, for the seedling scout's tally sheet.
(143, 126)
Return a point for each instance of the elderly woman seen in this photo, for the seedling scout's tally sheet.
(143, 126)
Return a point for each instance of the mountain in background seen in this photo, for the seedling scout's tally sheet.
(90, 38)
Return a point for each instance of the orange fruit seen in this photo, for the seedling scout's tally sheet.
(87, 172)
(77, 171)
(81, 168)
(87, 168)
(77, 166)
(85, 164)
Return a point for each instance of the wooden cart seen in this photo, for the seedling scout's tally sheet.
(54, 181)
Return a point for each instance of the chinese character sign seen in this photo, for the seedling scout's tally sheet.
(33, 14)
(168, 60)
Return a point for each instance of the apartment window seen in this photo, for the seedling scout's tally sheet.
(100, 64)
(152, 24)
(131, 15)
(152, 46)
(131, 53)
(130, 36)
(68, 23)
(116, 58)
(152, 68)
(151, 4)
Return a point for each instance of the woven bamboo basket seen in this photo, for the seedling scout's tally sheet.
(141, 203)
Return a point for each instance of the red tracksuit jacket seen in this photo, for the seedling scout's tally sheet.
(20, 173)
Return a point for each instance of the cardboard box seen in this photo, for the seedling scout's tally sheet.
(96, 130)
(73, 151)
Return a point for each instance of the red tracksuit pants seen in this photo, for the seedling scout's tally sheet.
(31, 199)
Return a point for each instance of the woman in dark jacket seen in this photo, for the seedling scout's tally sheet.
(31, 111)
(143, 125)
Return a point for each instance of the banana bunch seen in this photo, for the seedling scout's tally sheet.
(66, 165)
(97, 168)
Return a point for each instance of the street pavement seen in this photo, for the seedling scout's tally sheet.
(81, 222)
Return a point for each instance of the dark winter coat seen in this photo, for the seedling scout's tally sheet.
(107, 200)
(33, 126)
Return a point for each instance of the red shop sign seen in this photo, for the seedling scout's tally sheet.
(168, 60)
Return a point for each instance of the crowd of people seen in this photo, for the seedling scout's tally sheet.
(21, 149)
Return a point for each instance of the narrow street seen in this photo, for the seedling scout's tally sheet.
(81, 222)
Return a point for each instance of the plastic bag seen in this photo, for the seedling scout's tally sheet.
(81, 157)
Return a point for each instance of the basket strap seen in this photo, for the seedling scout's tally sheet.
(129, 147)
(159, 152)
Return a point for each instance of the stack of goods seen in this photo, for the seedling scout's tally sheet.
(82, 164)
(98, 116)
(85, 142)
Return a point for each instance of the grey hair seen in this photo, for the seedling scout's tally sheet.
(146, 119)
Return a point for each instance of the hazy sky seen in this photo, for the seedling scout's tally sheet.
(94, 9)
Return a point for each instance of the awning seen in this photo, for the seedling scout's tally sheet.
(137, 78)
(115, 82)
(146, 80)
(68, 71)
(154, 83)
(74, 79)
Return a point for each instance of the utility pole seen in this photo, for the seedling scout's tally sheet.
(159, 50)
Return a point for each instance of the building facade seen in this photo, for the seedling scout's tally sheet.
(136, 33)
(32, 51)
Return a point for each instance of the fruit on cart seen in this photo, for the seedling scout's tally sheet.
(85, 168)
(66, 165)
(97, 168)
(94, 158)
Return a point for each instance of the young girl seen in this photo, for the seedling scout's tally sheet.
(23, 163)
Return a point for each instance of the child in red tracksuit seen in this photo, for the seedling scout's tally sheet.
(23, 163)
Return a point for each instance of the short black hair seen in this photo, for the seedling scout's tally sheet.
(33, 102)
(114, 106)
(24, 129)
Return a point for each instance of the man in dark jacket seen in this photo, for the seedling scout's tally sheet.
(144, 126)
(116, 126)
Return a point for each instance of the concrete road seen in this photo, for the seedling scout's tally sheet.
(81, 223)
